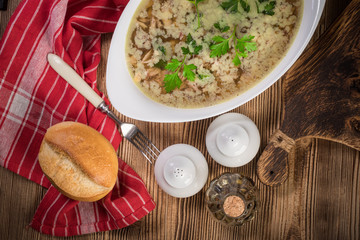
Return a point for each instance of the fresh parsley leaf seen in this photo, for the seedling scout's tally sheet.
(242, 46)
(197, 49)
(192, 43)
(162, 49)
(245, 5)
(218, 39)
(173, 65)
(189, 39)
(236, 60)
(225, 29)
(185, 50)
(220, 48)
(202, 76)
(160, 64)
(241, 54)
(245, 44)
(188, 73)
(269, 8)
(217, 25)
(172, 81)
(230, 6)
(221, 29)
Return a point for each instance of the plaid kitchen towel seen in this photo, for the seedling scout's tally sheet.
(33, 98)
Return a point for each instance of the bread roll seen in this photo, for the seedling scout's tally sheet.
(79, 161)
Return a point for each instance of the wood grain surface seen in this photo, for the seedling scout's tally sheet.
(321, 96)
(319, 200)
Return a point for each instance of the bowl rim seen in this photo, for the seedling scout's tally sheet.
(127, 99)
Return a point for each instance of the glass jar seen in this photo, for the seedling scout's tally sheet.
(232, 199)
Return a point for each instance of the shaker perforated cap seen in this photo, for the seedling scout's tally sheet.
(181, 170)
(232, 140)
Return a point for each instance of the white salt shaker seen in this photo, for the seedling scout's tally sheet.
(181, 170)
(232, 140)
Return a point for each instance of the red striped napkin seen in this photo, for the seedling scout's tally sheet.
(33, 98)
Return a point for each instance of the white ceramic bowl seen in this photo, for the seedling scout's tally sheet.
(125, 96)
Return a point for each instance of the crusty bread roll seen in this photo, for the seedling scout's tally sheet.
(79, 161)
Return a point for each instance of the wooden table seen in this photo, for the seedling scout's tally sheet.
(320, 200)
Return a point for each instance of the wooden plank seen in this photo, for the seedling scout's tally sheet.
(320, 200)
(321, 94)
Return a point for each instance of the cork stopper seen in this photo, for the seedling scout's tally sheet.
(234, 206)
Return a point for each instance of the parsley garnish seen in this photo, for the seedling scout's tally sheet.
(188, 73)
(269, 8)
(245, 5)
(232, 5)
(172, 81)
(242, 46)
(192, 48)
(202, 76)
(221, 29)
(196, 2)
(174, 65)
(162, 49)
(221, 47)
(160, 64)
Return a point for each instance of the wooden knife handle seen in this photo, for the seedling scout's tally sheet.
(272, 166)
